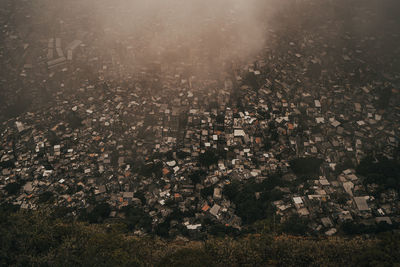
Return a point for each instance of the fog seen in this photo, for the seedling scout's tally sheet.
(203, 37)
(199, 31)
(218, 28)
(207, 33)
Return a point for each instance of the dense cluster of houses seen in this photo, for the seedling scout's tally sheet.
(141, 138)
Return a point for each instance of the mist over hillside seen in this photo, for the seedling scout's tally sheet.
(168, 31)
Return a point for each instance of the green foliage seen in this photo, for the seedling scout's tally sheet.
(385, 253)
(7, 164)
(45, 197)
(220, 119)
(351, 228)
(222, 230)
(295, 225)
(346, 164)
(162, 229)
(232, 190)
(140, 195)
(185, 256)
(208, 158)
(52, 138)
(197, 176)
(384, 98)
(341, 198)
(7, 208)
(20, 105)
(207, 191)
(249, 207)
(61, 212)
(35, 239)
(100, 212)
(251, 80)
(381, 171)
(305, 166)
(135, 217)
(152, 168)
(12, 188)
(73, 120)
(182, 155)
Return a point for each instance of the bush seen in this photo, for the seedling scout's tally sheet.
(35, 239)
(351, 228)
(162, 229)
(295, 225)
(98, 214)
(187, 257)
(222, 230)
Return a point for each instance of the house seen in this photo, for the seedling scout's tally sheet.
(361, 203)
(239, 133)
(215, 209)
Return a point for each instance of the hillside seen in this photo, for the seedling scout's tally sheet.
(34, 239)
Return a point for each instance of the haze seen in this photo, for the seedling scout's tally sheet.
(208, 31)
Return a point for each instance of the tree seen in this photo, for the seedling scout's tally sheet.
(249, 207)
(12, 188)
(197, 176)
(305, 166)
(220, 119)
(231, 190)
(73, 120)
(221, 230)
(208, 158)
(295, 225)
(251, 80)
(381, 171)
(98, 214)
(152, 168)
(384, 98)
(45, 197)
(207, 191)
(162, 229)
(135, 217)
